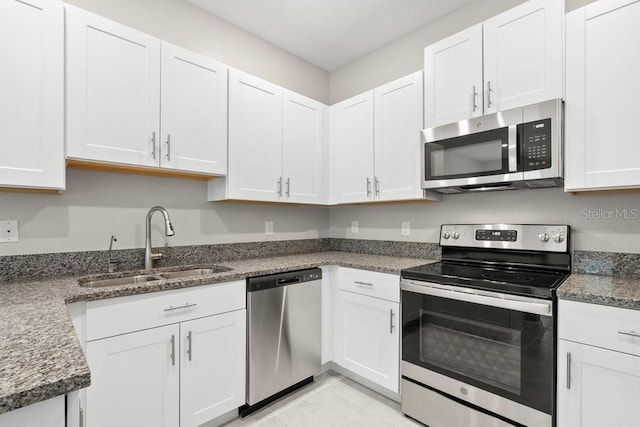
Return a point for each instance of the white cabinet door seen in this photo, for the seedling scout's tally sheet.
(302, 148)
(367, 340)
(255, 138)
(32, 94)
(602, 390)
(523, 55)
(351, 150)
(453, 78)
(212, 379)
(398, 121)
(113, 91)
(602, 96)
(194, 112)
(48, 413)
(135, 379)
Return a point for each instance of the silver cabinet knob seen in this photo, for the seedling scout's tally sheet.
(544, 237)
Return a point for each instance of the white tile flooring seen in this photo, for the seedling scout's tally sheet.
(331, 400)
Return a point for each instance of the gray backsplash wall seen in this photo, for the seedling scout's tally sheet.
(603, 222)
(99, 204)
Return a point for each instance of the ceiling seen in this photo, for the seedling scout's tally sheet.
(329, 33)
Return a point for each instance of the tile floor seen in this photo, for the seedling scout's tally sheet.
(330, 401)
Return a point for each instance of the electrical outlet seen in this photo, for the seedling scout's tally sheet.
(354, 227)
(268, 227)
(9, 231)
(405, 228)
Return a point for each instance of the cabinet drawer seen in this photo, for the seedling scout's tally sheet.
(371, 283)
(599, 325)
(121, 315)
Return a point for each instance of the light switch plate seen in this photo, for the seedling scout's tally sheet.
(268, 227)
(9, 231)
(405, 228)
(354, 227)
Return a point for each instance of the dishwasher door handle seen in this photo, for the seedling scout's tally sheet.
(288, 281)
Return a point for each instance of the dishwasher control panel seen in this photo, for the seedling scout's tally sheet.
(260, 283)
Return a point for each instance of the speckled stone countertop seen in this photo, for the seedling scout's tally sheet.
(40, 354)
(607, 290)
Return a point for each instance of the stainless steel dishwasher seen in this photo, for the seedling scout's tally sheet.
(283, 334)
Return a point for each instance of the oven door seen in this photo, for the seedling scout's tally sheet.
(474, 152)
(500, 344)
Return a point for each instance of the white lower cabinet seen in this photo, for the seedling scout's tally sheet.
(212, 368)
(598, 366)
(48, 413)
(134, 379)
(181, 363)
(366, 327)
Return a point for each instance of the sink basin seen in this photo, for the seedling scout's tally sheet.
(132, 280)
(193, 272)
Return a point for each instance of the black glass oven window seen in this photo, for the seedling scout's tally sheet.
(505, 352)
(485, 352)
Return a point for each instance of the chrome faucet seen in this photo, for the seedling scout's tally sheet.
(168, 230)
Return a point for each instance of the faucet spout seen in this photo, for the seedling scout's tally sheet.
(168, 231)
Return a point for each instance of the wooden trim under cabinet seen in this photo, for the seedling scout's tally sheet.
(137, 170)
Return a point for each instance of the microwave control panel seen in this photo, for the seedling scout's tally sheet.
(536, 144)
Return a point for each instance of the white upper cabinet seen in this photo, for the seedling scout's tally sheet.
(375, 144)
(276, 144)
(32, 93)
(255, 140)
(194, 112)
(351, 166)
(397, 124)
(453, 78)
(113, 91)
(602, 96)
(511, 60)
(302, 148)
(115, 78)
(523, 55)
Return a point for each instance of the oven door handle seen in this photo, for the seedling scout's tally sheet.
(493, 299)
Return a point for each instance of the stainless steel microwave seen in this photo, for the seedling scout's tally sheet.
(517, 148)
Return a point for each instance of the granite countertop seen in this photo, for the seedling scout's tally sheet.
(614, 291)
(41, 354)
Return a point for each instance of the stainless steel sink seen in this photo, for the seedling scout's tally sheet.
(193, 272)
(132, 280)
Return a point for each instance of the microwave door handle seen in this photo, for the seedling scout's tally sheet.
(512, 148)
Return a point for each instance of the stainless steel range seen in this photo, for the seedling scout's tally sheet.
(479, 328)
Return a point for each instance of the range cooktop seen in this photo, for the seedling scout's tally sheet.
(527, 282)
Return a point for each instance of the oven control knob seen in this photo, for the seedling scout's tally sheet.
(544, 237)
(446, 235)
(455, 235)
(558, 238)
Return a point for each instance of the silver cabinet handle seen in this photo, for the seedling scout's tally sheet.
(187, 305)
(391, 325)
(368, 187)
(630, 333)
(153, 145)
(189, 352)
(173, 350)
(168, 147)
(568, 371)
(363, 283)
(474, 96)
(81, 419)
(280, 187)
(488, 94)
(377, 186)
(288, 187)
